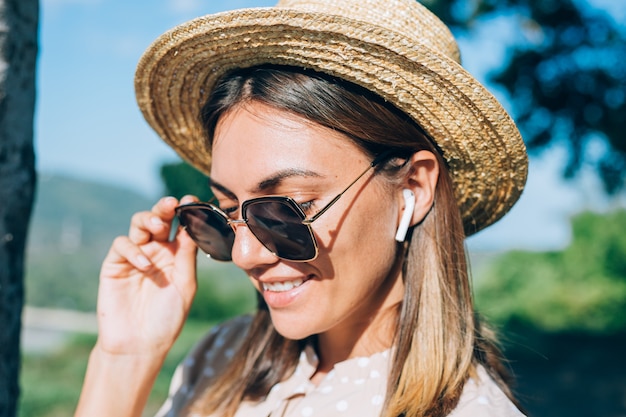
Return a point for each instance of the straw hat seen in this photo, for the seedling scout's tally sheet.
(395, 48)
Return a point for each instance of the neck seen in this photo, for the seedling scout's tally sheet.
(373, 333)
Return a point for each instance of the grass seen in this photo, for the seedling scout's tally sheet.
(51, 383)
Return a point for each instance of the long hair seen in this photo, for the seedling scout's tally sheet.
(438, 338)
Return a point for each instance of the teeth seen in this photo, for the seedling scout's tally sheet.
(282, 286)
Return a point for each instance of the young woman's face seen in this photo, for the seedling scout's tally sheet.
(259, 151)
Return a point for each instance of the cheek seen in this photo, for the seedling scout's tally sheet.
(376, 237)
(368, 228)
(376, 217)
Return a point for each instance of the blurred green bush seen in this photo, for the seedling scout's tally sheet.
(579, 289)
(224, 291)
(51, 382)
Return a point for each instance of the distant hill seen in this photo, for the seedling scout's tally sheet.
(72, 227)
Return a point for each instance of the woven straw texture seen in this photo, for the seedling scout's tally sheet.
(395, 48)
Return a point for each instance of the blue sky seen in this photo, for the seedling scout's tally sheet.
(88, 125)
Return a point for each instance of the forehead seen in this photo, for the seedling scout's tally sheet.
(254, 140)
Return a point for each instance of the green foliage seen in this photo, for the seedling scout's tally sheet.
(582, 288)
(51, 383)
(224, 291)
(567, 84)
(181, 179)
(563, 73)
(56, 279)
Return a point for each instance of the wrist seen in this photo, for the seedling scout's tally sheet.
(118, 383)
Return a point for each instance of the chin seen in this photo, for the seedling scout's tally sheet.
(291, 329)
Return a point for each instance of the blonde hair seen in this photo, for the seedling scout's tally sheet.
(438, 339)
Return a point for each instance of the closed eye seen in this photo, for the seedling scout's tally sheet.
(307, 206)
(230, 211)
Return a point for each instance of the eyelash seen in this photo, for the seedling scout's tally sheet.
(229, 210)
(307, 206)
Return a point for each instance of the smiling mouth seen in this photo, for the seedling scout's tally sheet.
(282, 286)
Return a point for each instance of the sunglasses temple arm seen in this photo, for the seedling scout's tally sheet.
(375, 162)
(323, 210)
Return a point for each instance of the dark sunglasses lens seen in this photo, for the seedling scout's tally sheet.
(209, 230)
(278, 226)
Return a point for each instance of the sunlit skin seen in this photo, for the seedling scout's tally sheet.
(351, 291)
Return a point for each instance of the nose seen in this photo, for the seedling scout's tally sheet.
(248, 252)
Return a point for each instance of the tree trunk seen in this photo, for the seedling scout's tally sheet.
(18, 57)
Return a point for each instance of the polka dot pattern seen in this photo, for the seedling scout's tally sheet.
(355, 387)
(342, 406)
(377, 400)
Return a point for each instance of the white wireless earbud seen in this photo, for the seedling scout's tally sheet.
(405, 221)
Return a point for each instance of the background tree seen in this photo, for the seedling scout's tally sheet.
(564, 75)
(18, 54)
(180, 179)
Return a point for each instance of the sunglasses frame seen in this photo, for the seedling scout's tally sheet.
(284, 199)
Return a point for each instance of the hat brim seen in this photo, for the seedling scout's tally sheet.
(479, 141)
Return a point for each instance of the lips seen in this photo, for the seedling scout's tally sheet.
(284, 293)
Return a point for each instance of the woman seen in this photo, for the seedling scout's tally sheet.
(349, 155)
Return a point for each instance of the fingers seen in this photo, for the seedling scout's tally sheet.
(164, 208)
(123, 254)
(147, 229)
(155, 224)
(189, 199)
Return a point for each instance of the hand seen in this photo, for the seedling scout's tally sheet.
(147, 284)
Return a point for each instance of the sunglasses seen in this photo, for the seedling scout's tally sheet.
(278, 222)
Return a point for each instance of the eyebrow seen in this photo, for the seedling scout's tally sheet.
(268, 183)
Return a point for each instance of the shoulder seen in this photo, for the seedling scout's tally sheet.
(483, 397)
(207, 358)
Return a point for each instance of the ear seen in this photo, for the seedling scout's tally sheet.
(422, 181)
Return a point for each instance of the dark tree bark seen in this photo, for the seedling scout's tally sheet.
(18, 57)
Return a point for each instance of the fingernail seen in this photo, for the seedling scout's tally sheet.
(156, 221)
(143, 262)
(169, 200)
